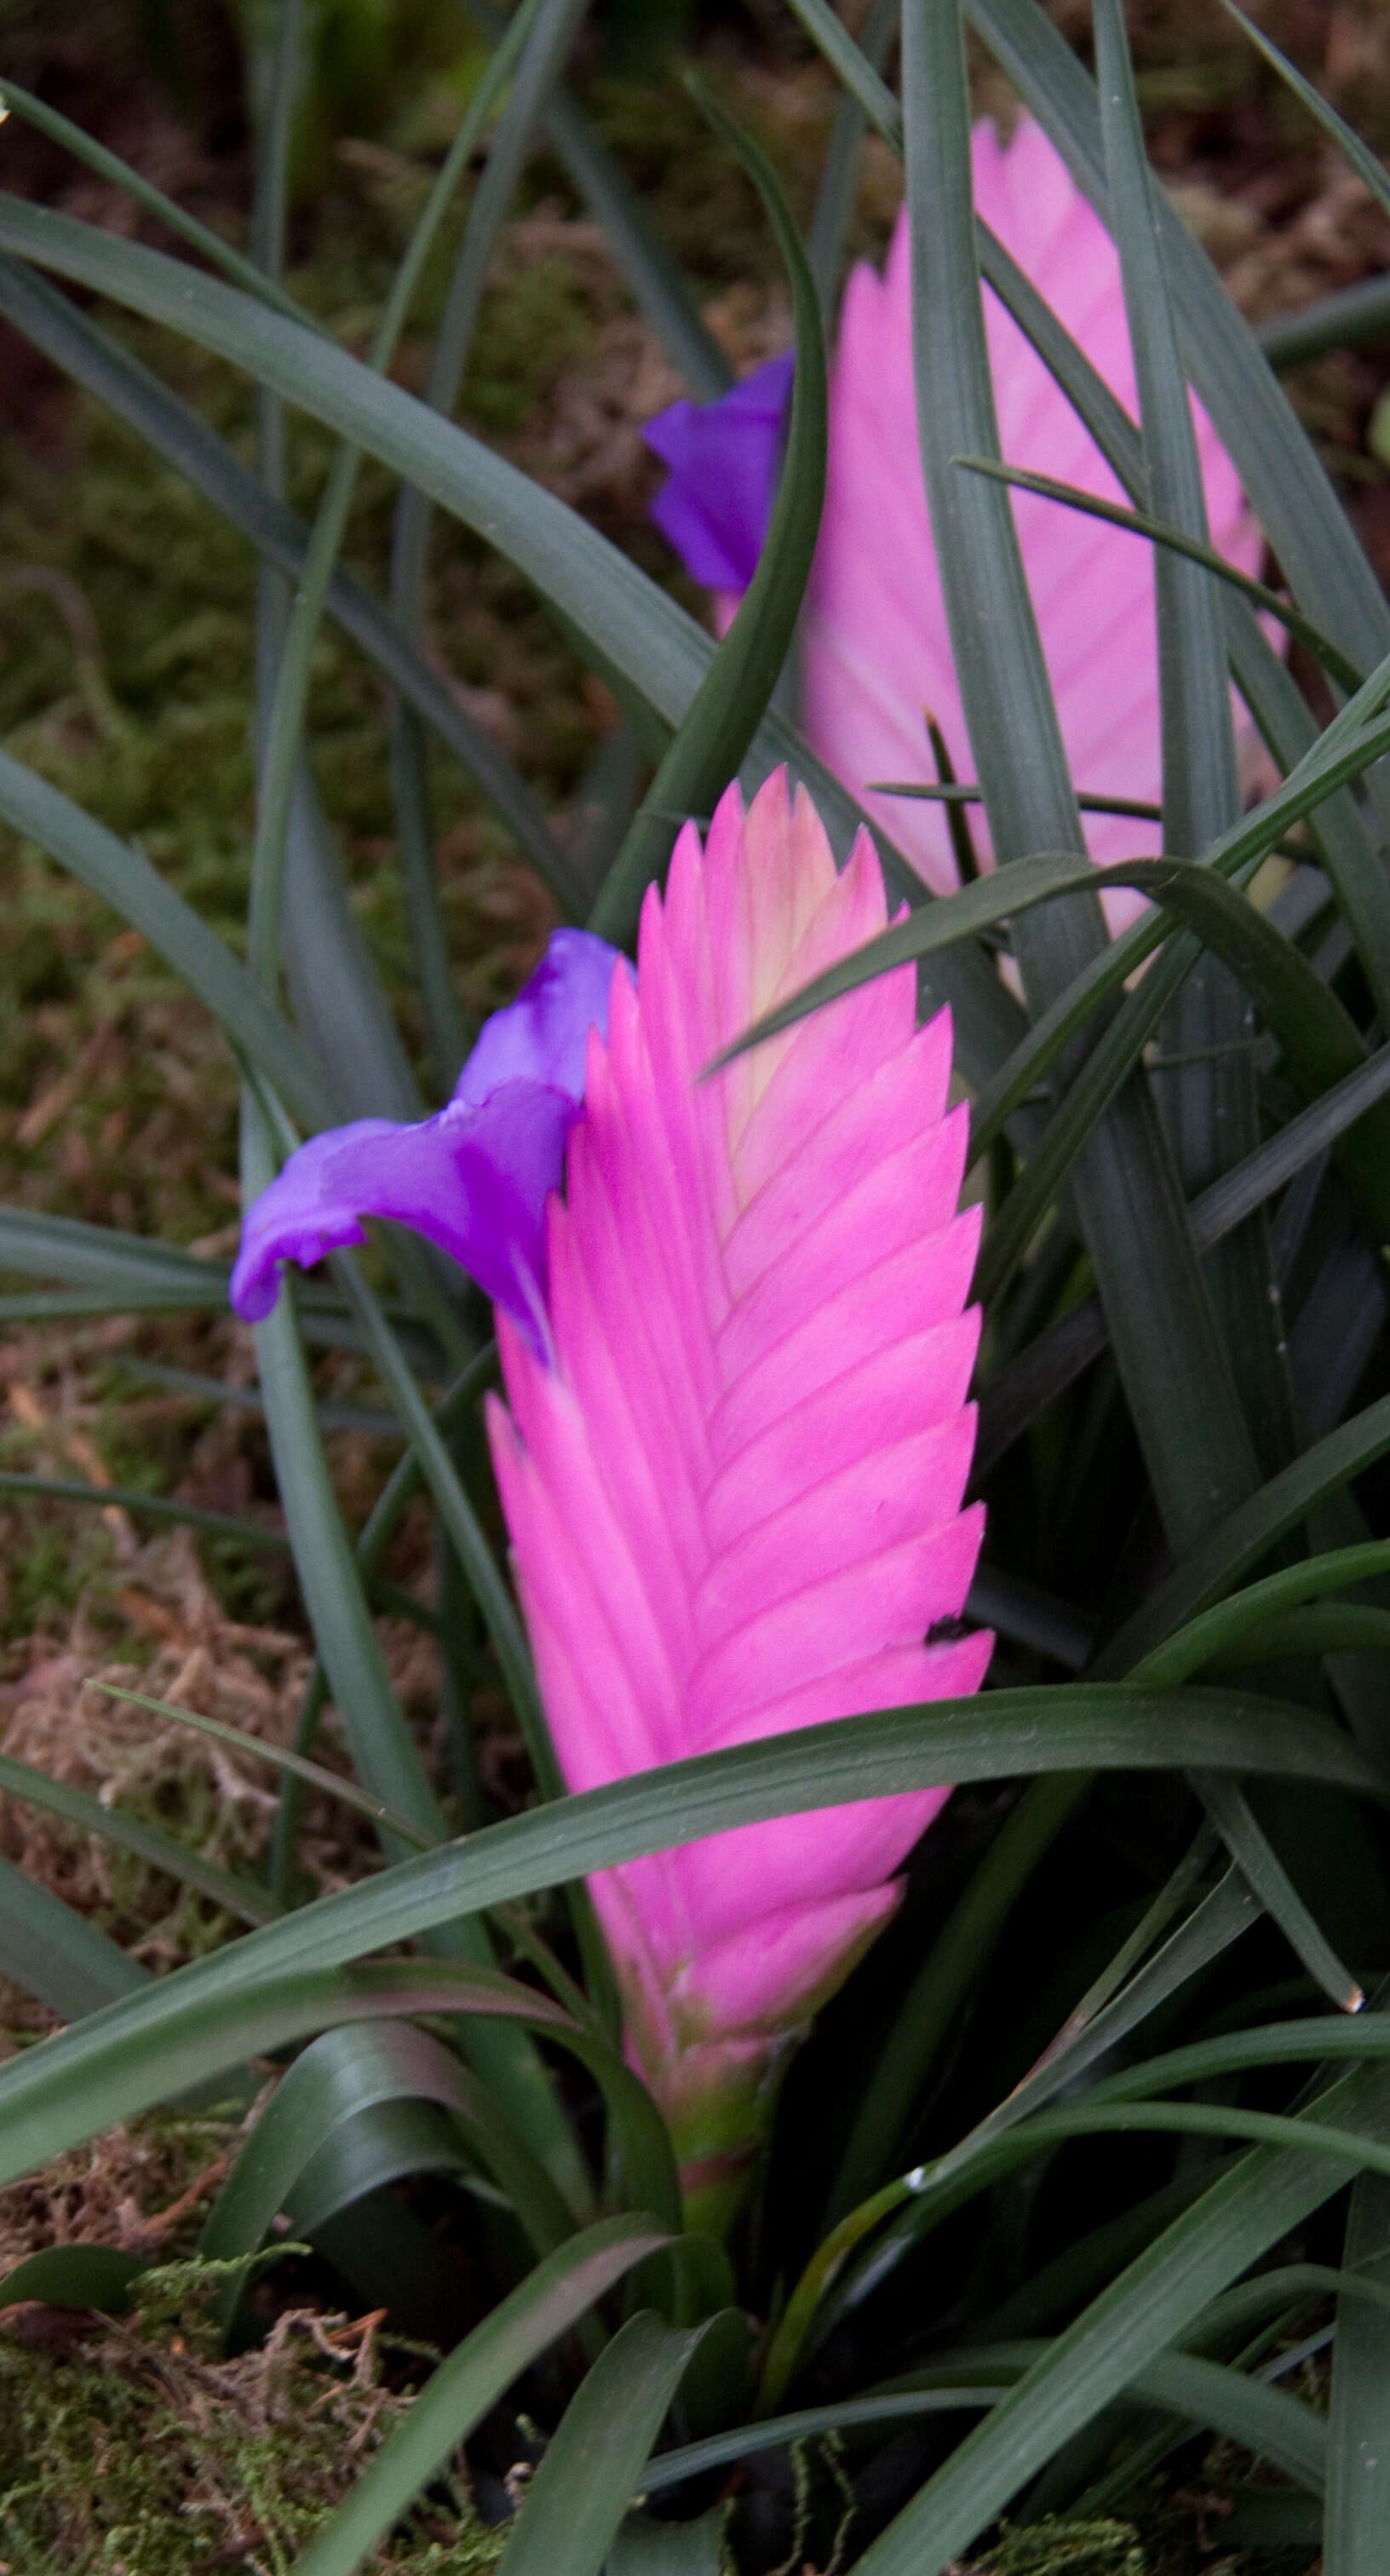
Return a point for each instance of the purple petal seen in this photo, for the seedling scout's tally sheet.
(475, 1181)
(543, 1036)
(476, 1177)
(724, 458)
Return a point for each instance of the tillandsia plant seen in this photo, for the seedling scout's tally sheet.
(917, 2037)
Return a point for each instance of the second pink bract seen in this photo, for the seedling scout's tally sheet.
(876, 643)
(876, 649)
(735, 1496)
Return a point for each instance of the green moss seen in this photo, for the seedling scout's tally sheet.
(140, 2451)
(48, 1564)
(527, 329)
(1056, 2548)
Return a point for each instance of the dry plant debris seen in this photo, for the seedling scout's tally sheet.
(151, 1622)
(134, 2447)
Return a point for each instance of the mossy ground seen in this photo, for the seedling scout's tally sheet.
(139, 2448)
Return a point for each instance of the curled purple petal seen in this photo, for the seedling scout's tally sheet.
(474, 1181)
(724, 459)
(474, 1178)
(543, 1036)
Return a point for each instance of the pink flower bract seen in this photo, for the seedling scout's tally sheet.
(735, 1496)
(876, 644)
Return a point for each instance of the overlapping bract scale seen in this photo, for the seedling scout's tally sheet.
(735, 1497)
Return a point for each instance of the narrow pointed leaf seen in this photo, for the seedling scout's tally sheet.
(472, 2379)
(1232, 1625)
(130, 2057)
(1358, 154)
(839, 177)
(127, 1498)
(1287, 486)
(1358, 2433)
(239, 1896)
(346, 2072)
(592, 2466)
(54, 1953)
(1266, 2421)
(132, 183)
(714, 734)
(1249, 1534)
(280, 1757)
(1263, 1871)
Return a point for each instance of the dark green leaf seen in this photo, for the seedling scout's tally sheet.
(1249, 1534)
(591, 2469)
(53, 1952)
(718, 726)
(75, 2276)
(135, 2053)
(1358, 2443)
(543, 2307)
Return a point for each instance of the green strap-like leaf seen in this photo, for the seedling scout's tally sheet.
(1370, 171)
(1358, 2432)
(1264, 1873)
(1249, 1534)
(718, 726)
(344, 2073)
(328, 1783)
(839, 175)
(75, 2276)
(1340, 321)
(238, 1896)
(1146, 2309)
(466, 2385)
(53, 1952)
(132, 183)
(125, 2060)
(591, 2469)
(1231, 1627)
(1280, 2043)
(1164, 536)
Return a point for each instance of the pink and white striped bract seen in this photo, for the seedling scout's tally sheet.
(735, 1495)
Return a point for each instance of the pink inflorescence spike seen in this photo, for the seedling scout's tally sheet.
(876, 649)
(877, 646)
(734, 1492)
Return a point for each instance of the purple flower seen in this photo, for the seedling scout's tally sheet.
(475, 1178)
(724, 458)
